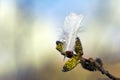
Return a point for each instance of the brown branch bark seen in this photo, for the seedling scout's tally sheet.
(105, 72)
(93, 65)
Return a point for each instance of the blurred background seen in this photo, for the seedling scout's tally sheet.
(30, 28)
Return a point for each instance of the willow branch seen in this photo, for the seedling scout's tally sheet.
(96, 65)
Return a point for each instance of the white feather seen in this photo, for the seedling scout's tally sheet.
(71, 26)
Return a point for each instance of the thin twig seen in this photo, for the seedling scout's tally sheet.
(93, 65)
(105, 72)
